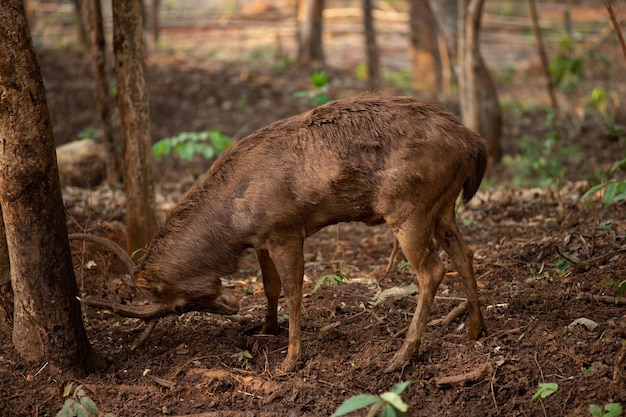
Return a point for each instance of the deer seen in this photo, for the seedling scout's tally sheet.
(370, 159)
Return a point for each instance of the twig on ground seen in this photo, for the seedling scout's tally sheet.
(482, 371)
(618, 361)
(604, 299)
(456, 312)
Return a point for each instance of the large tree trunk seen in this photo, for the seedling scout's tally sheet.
(132, 100)
(309, 15)
(47, 322)
(93, 11)
(423, 47)
(480, 108)
(371, 50)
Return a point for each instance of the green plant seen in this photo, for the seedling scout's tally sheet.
(538, 274)
(598, 100)
(619, 285)
(613, 189)
(540, 162)
(185, 146)
(77, 403)
(566, 67)
(243, 357)
(387, 404)
(564, 263)
(545, 390)
(90, 132)
(319, 93)
(609, 410)
(332, 279)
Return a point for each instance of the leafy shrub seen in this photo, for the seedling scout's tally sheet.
(186, 145)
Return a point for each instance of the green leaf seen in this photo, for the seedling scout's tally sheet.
(68, 389)
(355, 403)
(395, 401)
(595, 410)
(399, 388)
(612, 410)
(66, 411)
(300, 94)
(545, 389)
(389, 411)
(80, 411)
(219, 140)
(208, 152)
(621, 165)
(161, 148)
(319, 79)
(609, 192)
(89, 405)
(319, 99)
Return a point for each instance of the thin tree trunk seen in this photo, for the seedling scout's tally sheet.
(93, 11)
(309, 15)
(469, 58)
(459, 20)
(132, 100)
(47, 319)
(154, 20)
(534, 21)
(423, 47)
(371, 50)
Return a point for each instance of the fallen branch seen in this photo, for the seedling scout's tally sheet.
(604, 299)
(482, 371)
(456, 312)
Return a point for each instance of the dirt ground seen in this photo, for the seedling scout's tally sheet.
(543, 259)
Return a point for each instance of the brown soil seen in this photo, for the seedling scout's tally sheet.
(539, 257)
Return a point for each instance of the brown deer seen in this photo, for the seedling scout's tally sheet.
(372, 159)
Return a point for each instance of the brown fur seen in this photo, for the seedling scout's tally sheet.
(371, 159)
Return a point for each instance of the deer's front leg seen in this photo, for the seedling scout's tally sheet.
(286, 254)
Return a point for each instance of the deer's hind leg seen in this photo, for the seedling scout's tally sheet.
(415, 236)
(449, 237)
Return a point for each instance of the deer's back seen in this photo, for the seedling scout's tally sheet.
(350, 160)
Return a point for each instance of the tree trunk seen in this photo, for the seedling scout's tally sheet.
(81, 27)
(371, 50)
(309, 15)
(480, 108)
(47, 320)
(132, 100)
(423, 47)
(6, 291)
(155, 29)
(93, 11)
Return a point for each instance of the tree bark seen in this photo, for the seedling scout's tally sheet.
(371, 50)
(423, 47)
(6, 291)
(459, 20)
(47, 319)
(309, 15)
(93, 11)
(132, 100)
